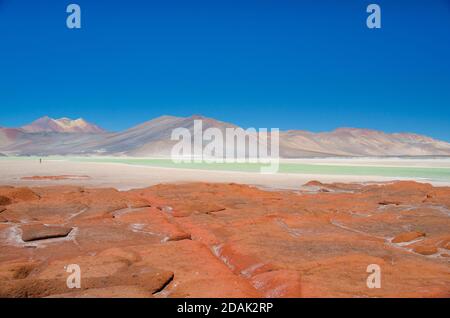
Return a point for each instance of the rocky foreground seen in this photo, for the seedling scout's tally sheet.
(226, 240)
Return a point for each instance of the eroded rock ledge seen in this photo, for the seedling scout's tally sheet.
(226, 240)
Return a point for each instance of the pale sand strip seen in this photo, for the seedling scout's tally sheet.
(124, 176)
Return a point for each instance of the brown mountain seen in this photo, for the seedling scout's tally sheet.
(359, 142)
(48, 136)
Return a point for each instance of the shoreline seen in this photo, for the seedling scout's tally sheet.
(125, 176)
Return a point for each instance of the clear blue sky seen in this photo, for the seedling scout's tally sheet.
(291, 64)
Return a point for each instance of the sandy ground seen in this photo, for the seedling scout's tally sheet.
(124, 177)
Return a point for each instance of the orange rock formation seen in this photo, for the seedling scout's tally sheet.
(226, 240)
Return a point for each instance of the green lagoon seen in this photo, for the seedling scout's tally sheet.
(422, 173)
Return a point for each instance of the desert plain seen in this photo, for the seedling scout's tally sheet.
(146, 231)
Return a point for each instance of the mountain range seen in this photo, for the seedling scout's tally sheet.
(64, 136)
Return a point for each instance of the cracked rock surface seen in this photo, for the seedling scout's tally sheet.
(225, 240)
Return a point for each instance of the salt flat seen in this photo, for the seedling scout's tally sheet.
(119, 174)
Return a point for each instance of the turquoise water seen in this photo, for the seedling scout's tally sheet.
(424, 174)
(432, 174)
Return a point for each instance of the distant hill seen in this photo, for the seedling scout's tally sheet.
(9, 136)
(47, 136)
(153, 137)
(62, 125)
(359, 142)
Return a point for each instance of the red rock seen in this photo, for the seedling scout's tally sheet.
(197, 272)
(386, 202)
(4, 200)
(227, 240)
(277, 284)
(41, 211)
(149, 280)
(42, 232)
(426, 250)
(17, 269)
(154, 221)
(407, 237)
(62, 177)
(443, 242)
(18, 194)
(314, 183)
(108, 292)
